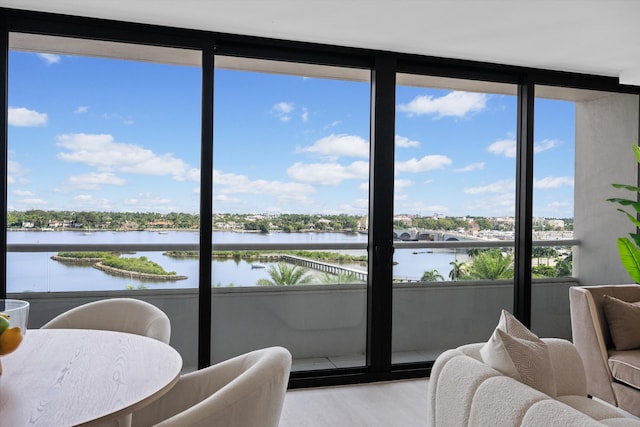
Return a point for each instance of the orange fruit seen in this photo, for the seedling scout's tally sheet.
(10, 340)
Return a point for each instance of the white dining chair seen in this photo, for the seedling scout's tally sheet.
(245, 391)
(116, 314)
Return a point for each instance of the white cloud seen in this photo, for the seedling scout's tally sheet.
(225, 184)
(102, 152)
(305, 115)
(328, 173)
(128, 120)
(224, 198)
(550, 182)
(405, 142)
(402, 183)
(16, 173)
(472, 167)
(545, 145)
(32, 202)
(332, 124)
(23, 193)
(506, 147)
(428, 181)
(358, 206)
(427, 163)
(86, 201)
(502, 204)
(24, 117)
(50, 58)
(149, 202)
(334, 146)
(453, 104)
(421, 208)
(81, 109)
(283, 110)
(95, 181)
(504, 186)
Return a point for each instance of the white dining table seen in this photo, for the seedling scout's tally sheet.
(68, 377)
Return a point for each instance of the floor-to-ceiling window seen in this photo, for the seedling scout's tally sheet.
(104, 150)
(455, 150)
(290, 193)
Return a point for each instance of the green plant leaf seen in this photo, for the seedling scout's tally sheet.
(636, 238)
(626, 187)
(626, 202)
(636, 151)
(632, 218)
(630, 257)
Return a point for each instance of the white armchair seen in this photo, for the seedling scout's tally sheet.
(245, 391)
(116, 314)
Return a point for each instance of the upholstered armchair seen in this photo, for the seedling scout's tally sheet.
(613, 375)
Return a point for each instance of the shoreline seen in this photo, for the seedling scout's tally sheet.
(138, 275)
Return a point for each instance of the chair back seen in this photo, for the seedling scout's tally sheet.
(116, 314)
(246, 391)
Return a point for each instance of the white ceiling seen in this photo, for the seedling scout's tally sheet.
(586, 36)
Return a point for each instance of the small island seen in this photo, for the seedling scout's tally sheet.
(140, 268)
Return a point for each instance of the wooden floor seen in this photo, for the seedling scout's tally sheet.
(387, 404)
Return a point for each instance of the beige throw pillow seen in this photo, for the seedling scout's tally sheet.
(518, 353)
(623, 319)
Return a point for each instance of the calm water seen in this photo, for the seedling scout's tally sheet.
(37, 272)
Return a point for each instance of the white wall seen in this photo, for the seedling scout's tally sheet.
(605, 130)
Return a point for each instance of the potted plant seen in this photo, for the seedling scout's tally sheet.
(629, 249)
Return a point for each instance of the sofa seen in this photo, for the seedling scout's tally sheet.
(465, 391)
(613, 371)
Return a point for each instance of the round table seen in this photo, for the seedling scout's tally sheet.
(63, 377)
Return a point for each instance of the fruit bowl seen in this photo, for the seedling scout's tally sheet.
(14, 314)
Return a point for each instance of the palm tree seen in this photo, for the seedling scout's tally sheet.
(341, 278)
(456, 271)
(490, 265)
(286, 275)
(431, 276)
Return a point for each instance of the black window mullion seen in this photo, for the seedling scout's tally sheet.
(206, 210)
(4, 128)
(524, 202)
(380, 250)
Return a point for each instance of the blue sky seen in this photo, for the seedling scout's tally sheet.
(111, 135)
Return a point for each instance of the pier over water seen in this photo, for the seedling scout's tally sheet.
(323, 266)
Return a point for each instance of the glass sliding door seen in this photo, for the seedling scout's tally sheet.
(103, 176)
(453, 212)
(290, 191)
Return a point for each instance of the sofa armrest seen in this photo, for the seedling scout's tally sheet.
(588, 338)
(438, 365)
(568, 368)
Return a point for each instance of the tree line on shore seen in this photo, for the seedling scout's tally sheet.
(129, 221)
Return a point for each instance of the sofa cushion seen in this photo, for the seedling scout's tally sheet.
(625, 366)
(620, 422)
(623, 319)
(490, 397)
(551, 413)
(518, 353)
(593, 408)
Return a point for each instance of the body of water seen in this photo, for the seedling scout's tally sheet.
(37, 272)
